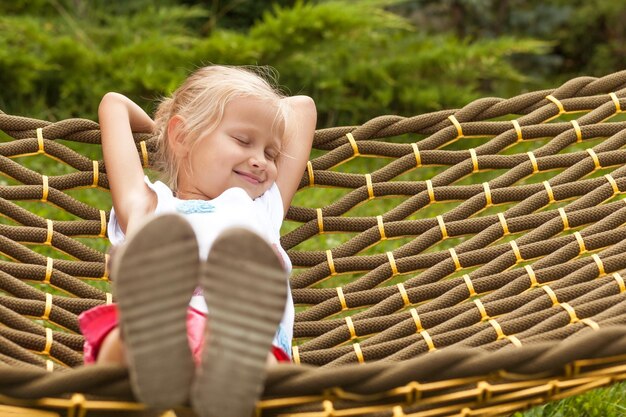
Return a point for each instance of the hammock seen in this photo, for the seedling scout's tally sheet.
(476, 268)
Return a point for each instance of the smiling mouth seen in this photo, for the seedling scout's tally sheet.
(252, 179)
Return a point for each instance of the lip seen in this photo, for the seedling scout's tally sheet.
(251, 178)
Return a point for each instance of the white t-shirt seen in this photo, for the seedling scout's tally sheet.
(209, 218)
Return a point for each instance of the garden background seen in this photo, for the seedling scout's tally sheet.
(357, 59)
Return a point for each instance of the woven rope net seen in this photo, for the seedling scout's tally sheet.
(461, 262)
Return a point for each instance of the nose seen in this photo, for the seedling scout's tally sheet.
(258, 160)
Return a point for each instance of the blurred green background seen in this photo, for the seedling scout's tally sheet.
(358, 59)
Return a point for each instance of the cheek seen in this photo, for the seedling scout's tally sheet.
(274, 172)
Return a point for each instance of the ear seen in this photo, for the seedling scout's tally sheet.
(176, 137)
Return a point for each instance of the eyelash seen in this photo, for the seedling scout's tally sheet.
(268, 155)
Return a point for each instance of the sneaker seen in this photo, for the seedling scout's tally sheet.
(155, 273)
(245, 288)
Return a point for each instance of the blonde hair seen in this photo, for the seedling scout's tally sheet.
(201, 101)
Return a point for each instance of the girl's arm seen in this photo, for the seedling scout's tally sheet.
(299, 129)
(132, 198)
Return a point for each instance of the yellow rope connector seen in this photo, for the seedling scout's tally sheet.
(488, 201)
(428, 340)
(358, 352)
(573, 318)
(594, 156)
(381, 227)
(45, 190)
(320, 221)
(531, 276)
(581, 243)
(599, 264)
(342, 299)
(40, 143)
(48, 307)
(551, 294)
(105, 275)
(103, 223)
(618, 108)
(49, 233)
(514, 340)
(516, 251)
(579, 133)
(49, 266)
(590, 323)
(398, 412)
(474, 160)
(352, 141)
(557, 102)
(613, 183)
(442, 227)
(329, 409)
(533, 161)
(496, 326)
(470, 286)
(46, 350)
(416, 320)
(96, 173)
(455, 258)
(620, 282)
(331, 263)
(295, 353)
(370, 187)
(518, 130)
(309, 168)
(505, 226)
(350, 325)
(431, 191)
(403, 293)
(392, 263)
(418, 157)
(564, 218)
(548, 188)
(481, 308)
(459, 129)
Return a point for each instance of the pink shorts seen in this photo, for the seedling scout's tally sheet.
(98, 322)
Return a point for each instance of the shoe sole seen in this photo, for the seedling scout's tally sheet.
(246, 289)
(155, 273)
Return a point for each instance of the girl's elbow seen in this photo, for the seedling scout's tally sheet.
(111, 96)
(111, 99)
(306, 105)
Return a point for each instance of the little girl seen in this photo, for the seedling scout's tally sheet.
(231, 150)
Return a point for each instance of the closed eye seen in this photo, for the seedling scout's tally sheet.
(241, 140)
(271, 154)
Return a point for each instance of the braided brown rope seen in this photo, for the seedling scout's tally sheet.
(477, 267)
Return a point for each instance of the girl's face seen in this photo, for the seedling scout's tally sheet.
(240, 152)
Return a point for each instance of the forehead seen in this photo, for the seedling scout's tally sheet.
(254, 116)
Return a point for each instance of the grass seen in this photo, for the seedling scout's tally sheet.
(603, 402)
(607, 402)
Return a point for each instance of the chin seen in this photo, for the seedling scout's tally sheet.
(256, 194)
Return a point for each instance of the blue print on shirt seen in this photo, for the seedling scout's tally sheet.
(283, 340)
(195, 206)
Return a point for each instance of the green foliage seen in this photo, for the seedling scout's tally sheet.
(589, 35)
(356, 62)
(608, 402)
(593, 38)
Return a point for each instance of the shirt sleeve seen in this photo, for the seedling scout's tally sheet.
(165, 203)
(272, 203)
